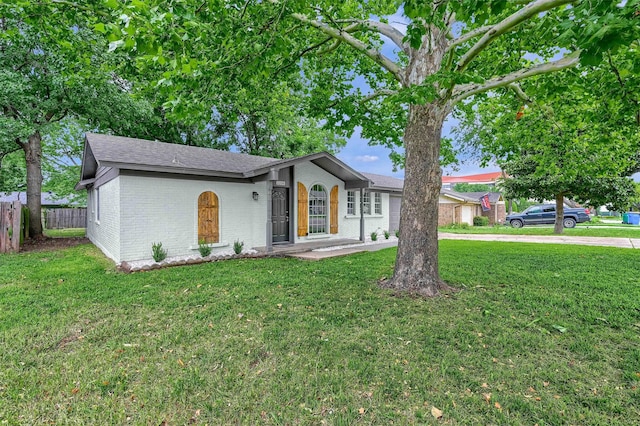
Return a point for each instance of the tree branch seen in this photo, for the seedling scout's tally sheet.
(388, 31)
(463, 91)
(383, 92)
(339, 34)
(382, 28)
(529, 11)
(520, 93)
(468, 36)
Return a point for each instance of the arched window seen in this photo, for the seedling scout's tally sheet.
(317, 210)
(208, 224)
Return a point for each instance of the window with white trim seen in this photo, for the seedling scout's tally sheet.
(377, 203)
(97, 204)
(351, 202)
(366, 203)
(317, 210)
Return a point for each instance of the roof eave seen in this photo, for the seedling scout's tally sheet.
(175, 170)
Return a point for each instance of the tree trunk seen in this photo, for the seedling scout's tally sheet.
(33, 155)
(416, 269)
(558, 226)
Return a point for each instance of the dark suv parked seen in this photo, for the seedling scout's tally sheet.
(546, 214)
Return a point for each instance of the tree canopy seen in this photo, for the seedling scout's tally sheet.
(446, 53)
(574, 135)
(419, 59)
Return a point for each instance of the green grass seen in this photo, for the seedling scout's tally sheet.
(539, 334)
(66, 232)
(581, 230)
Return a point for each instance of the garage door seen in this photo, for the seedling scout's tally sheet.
(394, 212)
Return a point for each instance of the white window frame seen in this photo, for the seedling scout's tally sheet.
(366, 202)
(351, 203)
(377, 204)
(97, 207)
(318, 210)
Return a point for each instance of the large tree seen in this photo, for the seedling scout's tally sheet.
(54, 67)
(447, 52)
(581, 144)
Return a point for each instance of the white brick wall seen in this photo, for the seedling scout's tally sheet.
(157, 209)
(105, 233)
(137, 211)
(348, 226)
(372, 223)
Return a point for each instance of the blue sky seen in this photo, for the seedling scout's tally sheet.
(375, 158)
(363, 157)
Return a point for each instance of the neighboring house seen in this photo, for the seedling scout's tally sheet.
(48, 200)
(462, 207)
(448, 182)
(143, 192)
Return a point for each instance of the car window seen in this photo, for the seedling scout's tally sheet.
(535, 210)
(549, 208)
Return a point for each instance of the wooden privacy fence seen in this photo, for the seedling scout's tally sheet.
(10, 216)
(66, 218)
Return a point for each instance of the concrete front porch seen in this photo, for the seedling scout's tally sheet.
(286, 249)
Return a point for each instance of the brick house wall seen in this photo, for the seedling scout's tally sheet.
(497, 214)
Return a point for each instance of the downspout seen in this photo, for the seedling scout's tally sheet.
(269, 217)
(362, 214)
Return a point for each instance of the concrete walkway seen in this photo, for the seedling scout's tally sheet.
(547, 239)
(632, 243)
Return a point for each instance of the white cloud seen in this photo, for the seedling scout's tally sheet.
(367, 158)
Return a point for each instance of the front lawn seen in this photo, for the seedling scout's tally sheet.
(581, 230)
(539, 334)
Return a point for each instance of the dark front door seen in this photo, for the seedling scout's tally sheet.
(280, 214)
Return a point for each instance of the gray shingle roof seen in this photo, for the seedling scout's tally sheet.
(494, 197)
(384, 182)
(144, 154)
(472, 197)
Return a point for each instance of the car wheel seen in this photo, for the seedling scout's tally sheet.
(517, 223)
(569, 222)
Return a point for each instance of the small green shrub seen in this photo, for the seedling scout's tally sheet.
(374, 236)
(397, 233)
(237, 246)
(204, 249)
(386, 235)
(159, 254)
(480, 221)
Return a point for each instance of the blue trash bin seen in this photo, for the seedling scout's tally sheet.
(633, 218)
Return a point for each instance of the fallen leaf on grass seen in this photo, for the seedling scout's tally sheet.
(75, 391)
(560, 328)
(436, 413)
(181, 363)
(361, 410)
(487, 396)
(498, 406)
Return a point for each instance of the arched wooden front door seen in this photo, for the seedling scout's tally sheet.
(208, 224)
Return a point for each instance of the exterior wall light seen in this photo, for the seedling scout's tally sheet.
(255, 196)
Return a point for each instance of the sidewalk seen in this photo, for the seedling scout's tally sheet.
(632, 243)
(547, 239)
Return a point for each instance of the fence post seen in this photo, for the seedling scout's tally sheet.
(10, 221)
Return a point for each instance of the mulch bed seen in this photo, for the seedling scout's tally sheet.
(48, 244)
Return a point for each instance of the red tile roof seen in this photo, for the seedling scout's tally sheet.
(479, 178)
